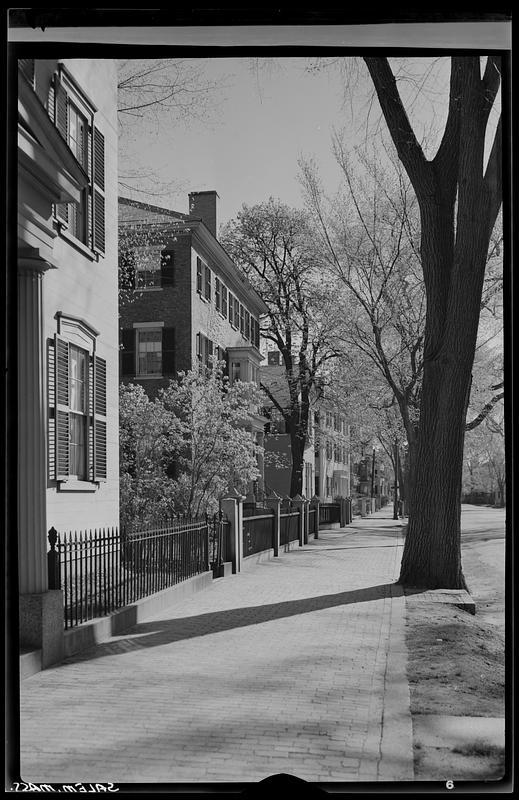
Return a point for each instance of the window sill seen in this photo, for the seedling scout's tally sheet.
(79, 245)
(77, 486)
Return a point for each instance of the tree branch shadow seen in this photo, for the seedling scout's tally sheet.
(169, 630)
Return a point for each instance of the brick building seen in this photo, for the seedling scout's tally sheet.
(190, 302)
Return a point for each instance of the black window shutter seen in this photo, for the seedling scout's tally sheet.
(168, 351)
(167, 267)
(99, 226)
(61, 407)
(61, 105)
(128, 351)
(58, 112)
(99, 158)
(100, 472)
(99, 221)
(51, 102)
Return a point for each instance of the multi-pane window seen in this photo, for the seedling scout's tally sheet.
(149, 351)
(235, 371)
(203, 279)
(231, 309)
(224, 300)
(78, 411)
(74, 119)
(147, 267)
(217, 294)
(247, 325)
(236, 312)
(207, 283)
(77, 404)
(254, 330)
(205, 352)
(78, 143)
(242, 320)
(78, 134)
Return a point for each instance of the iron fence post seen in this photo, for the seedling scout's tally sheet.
(207, 544)
(299, 502)
(315, 503)
(274, 502)
(53, 562)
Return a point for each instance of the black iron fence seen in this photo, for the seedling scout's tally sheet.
(313, 525)
(254, 510)
(289, 527)
(258, 533)
(107, 569)
(329, 513)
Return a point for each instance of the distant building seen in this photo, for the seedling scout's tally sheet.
(68, 445)
(332, 453)
(370, 483)
(326, 460)
(191, 303)
(278, 448)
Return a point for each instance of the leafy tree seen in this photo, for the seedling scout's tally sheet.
(148, 443)
(274, 246)
(217, 449)
(181, 451)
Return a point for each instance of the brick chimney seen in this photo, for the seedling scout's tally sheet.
(203, 204)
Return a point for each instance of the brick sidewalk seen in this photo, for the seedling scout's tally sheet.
(296, 665)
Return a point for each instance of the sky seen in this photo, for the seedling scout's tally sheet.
(247, 147)
(263, 115)
(260, 123)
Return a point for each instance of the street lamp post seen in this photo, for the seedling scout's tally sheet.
(395, 500)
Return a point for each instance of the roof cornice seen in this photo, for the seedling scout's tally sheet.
(201, 232)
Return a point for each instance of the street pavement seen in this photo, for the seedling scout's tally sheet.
(297, 665)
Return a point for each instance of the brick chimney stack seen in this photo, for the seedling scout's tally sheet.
(203, 204)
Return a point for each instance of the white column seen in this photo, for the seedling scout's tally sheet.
(32, 520)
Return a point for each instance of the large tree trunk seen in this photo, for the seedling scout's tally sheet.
(296, 478)
(432, 553)
(459, 203)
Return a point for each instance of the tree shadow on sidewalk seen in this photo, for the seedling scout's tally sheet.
(166, 631)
